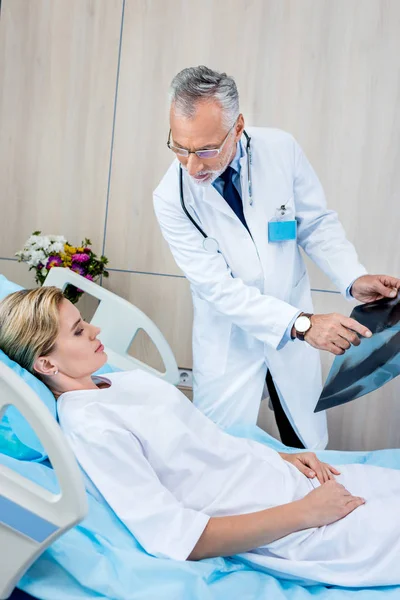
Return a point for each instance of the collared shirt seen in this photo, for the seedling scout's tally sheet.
(235, 164)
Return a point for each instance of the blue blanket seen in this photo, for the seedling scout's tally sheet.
(100, 559)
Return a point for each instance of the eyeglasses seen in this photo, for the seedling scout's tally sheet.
(209, 153)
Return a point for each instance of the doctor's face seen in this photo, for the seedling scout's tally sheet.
(206, 130)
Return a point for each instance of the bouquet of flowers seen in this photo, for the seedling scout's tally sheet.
(42, 252)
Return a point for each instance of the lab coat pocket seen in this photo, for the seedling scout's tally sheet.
(211, 339)
(300, 295)
(300, 279)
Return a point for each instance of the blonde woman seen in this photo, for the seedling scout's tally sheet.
(183, 487)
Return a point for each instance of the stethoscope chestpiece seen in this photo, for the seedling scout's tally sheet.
(211, 245)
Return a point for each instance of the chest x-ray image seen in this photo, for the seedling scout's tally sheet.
(367, 367)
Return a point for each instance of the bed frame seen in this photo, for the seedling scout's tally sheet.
(31, 517)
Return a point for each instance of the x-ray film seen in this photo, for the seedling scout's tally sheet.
(367, 367)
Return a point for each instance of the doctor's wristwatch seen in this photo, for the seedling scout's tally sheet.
(302, 325)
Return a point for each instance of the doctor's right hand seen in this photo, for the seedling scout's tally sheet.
(335, 333)
(329, 503)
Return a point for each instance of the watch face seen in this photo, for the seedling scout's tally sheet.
(302, 324)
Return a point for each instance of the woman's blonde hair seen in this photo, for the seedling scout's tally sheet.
(29, 324)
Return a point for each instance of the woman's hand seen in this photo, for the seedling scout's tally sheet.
(308, 464)
(328, 503)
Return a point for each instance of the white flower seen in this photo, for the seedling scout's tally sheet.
(42, 243)
(31, 241)
(44, 271)
(37, 256)
(56, 247)
(45, 242)
(57, 238)
(38, 247)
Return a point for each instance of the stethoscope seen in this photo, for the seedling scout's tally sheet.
(211, 244)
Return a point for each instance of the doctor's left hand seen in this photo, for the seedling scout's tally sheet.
(370, 288)
(310, 465)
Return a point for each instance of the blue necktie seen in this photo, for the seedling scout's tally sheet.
(231, 194)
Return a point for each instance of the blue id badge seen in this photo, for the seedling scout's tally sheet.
(280, 229)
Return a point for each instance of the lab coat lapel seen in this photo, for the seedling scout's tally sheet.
(257, 214)
(253, 211)
(214, 199)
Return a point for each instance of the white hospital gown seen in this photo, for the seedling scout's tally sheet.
(165, 469)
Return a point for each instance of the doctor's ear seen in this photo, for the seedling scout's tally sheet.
(44, 366)
(239, 127)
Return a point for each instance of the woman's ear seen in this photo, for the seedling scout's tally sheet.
(45, 366)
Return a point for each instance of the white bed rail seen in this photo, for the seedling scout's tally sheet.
(119, 321)
(31, 517)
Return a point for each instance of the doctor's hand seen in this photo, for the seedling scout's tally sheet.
(310, 465)
(370, 288)
(329, 503)
(335, 333)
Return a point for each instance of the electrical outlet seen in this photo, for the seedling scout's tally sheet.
(185, 378)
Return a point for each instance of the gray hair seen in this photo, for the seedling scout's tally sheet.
(195, 84)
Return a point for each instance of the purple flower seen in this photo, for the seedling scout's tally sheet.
(80, 258)
(53, 261)
(88, 276)
(78, 269)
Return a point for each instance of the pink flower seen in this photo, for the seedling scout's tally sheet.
(78, 269)
(53, 261)
(88, 276)
(80, 258)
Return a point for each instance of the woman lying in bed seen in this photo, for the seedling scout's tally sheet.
(183, 487)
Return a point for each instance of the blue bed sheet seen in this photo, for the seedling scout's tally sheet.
(100, 559)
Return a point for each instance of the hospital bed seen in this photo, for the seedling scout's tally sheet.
(98, 558)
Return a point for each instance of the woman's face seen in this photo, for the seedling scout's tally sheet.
(78, 352)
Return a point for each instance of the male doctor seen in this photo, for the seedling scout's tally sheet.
(235, 207)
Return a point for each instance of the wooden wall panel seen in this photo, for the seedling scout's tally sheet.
(58, 69)
(18, 273)
(167, 301)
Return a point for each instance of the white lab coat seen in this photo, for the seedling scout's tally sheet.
(165, 469)
(245, 296)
